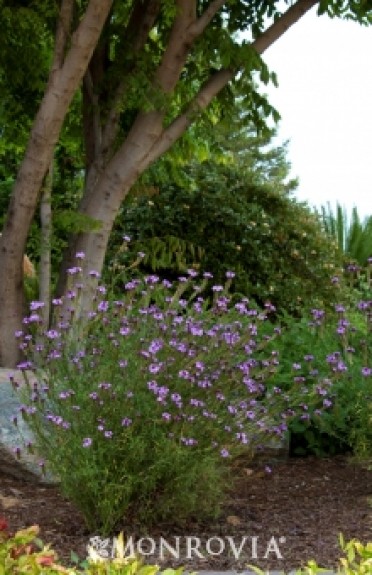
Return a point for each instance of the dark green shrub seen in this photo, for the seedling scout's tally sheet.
(273, 243)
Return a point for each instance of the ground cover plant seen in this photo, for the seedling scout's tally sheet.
(143, 406)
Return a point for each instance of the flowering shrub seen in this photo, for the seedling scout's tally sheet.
(143, 406)
(140, 408)
(326, 365)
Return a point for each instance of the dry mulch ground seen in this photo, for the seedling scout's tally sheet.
(304, 503)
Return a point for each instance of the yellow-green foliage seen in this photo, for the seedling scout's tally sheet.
(24, 554)
(357, 560)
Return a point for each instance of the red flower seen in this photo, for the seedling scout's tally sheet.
(45, 560)
(3, 524)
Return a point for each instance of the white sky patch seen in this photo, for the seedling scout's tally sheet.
(325, 100)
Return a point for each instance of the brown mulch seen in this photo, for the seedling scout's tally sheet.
(304, 503)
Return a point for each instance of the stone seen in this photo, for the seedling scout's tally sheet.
(26, 465)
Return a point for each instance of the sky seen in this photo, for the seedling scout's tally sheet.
(325, 101)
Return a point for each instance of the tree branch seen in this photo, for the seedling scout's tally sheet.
(278, 28)
(62, 33)
(219, 80)
(177, 50)
(140, 23)
(198, 27)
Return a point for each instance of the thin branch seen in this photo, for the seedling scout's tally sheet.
(178, 47)
(62, 33)
(198, 27)
(175, 130)
(140, 24)
(85, 38)
(278, 28)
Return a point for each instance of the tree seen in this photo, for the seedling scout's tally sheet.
(148, 68)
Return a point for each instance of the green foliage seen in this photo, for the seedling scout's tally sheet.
(354, 236)
(23, 553)
(357, 560)
(329, 353)
(234, 221)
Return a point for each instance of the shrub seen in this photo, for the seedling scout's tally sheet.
(326, 360)
(142, 408)
(149, 398)
(222, 222)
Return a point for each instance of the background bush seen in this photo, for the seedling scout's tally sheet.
(222, 221)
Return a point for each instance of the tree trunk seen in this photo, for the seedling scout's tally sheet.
(46, 245)
(63, 83)
(147, 141)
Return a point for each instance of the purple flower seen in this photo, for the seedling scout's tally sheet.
(108, 434)
(103, 306)
(52, 334)
(87, 441)
(155, 367)
(230, 274)
(224, 453)
(126, 422)
(192, 273)
(35, 305)
(156, 345)
(125, 330)
(75, 270)
(366, 371)
(80, 255)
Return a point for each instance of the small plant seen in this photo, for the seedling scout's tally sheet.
(23, 553)
(357, 561)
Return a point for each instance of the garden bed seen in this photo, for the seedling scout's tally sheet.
(307, 501)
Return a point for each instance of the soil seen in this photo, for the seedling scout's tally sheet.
(303, 503)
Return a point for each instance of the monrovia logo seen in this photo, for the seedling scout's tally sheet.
(187, 547)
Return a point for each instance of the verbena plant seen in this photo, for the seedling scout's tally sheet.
(139, 411)
(326, 361)
(142, 408)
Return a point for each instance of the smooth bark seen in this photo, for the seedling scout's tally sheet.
(66, 75)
